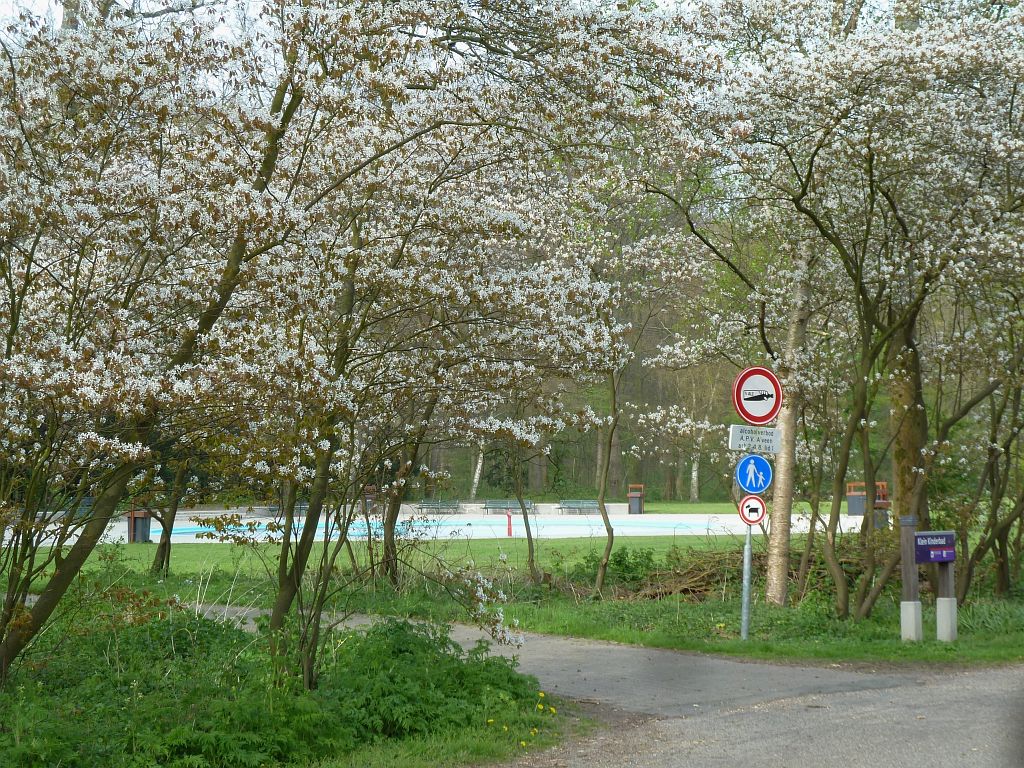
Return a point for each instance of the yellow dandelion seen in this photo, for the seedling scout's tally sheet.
(553, 710)
(533, 731)
(540, 694)
(490, 721)
(504, 728)
(540, 706)
(522, 743)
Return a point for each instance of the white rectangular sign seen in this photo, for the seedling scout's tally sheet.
(754, 439)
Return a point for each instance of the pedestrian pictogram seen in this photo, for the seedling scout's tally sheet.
(752, 509)
(757, 395)
(753, 474)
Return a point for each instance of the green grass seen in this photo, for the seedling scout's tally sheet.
(990, 630)
(224, 573)
(722, 508)
(199, 558)
(804, 633)
(480, 745)
(688, 508)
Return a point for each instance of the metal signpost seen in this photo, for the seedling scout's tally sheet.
(757, 397)
(752, 512)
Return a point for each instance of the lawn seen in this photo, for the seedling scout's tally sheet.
(689, 508)
(720, 508)
(991, 630)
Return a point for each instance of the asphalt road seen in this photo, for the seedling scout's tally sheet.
(666, 709)
(675, 710)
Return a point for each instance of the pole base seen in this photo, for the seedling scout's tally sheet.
(911, 630)
(945, 619)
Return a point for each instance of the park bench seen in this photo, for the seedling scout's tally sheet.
(299, 510)
(578, 506)
(80, 512)
(436, 505)
(504, 506)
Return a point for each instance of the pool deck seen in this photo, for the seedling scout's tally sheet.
(470, 523)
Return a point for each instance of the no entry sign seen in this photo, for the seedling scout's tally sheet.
(752, 510)
(757, 395)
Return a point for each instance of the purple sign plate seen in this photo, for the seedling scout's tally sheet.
(934, 547)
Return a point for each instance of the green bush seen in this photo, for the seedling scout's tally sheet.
(172, 689)
(401, 679)
(991, 616)
(625, 566)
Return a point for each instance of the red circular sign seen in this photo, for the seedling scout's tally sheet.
(752, 509)
(757, 395)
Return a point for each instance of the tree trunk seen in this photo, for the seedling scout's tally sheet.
(868, 603)
(389, 567)
(389, 556)
(671, 473)
(785, 461)
(312, 617)
(868, 536)
(20, 633)
(616, 472)
(817, 478)
(910, 438)
(477, 473)
(367, 504)
(998, 532)
(909, 424)
(162, 558)
(1018, 551)
(695, 470)
(602, 489)
(291, 570)
(808, 553)
(531, 563)
(1002, 549)
(828, 544)
(537, 469)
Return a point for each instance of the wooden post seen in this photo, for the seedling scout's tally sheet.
(911, 629)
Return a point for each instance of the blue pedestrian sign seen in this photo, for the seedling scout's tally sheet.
(753, 474)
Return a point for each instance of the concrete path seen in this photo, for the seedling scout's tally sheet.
(665, 709)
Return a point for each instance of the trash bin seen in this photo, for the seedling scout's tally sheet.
(139, 522)
(369, 500)
(856, 502)
(635, 497)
